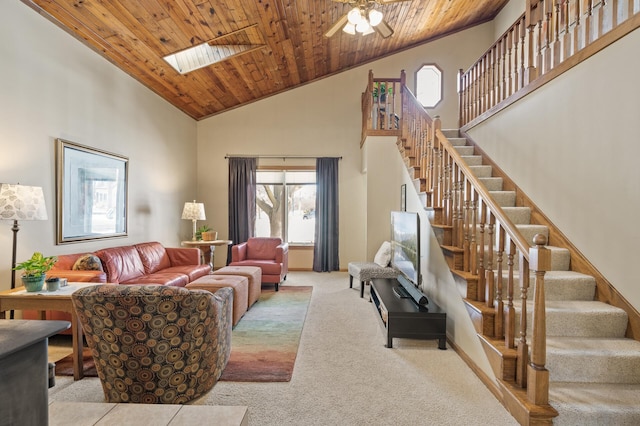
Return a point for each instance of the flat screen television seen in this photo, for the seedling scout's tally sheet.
(405, 245)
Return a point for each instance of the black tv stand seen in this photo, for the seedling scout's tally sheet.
(400, 292)
(402, 317)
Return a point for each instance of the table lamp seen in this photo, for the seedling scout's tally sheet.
(20, 202)
(193, 211)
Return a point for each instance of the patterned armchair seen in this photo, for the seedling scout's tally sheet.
(156, 344)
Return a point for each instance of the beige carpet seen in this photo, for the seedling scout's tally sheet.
(345, 376)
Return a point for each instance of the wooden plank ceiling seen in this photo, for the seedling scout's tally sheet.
(136, 34)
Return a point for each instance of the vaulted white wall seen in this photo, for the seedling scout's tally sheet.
(53, 86)
(324, 119)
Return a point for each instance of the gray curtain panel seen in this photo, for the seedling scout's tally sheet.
(242, 199)
(325, 250)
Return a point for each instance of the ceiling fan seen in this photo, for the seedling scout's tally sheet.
(363, 18)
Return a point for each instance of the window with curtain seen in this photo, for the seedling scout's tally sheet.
(286, 205)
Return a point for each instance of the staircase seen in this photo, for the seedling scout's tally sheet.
(594, 371)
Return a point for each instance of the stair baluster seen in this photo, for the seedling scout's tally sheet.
(499, 303)
(510, 312)
(523, 346)
(489, 273)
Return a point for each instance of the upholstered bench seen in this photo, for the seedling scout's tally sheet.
(252, 273)
(240, 286)
(366, 271)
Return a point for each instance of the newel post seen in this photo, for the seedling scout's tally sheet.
(438, 170)
(537, 374)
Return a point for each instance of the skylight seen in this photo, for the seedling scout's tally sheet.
(205, 54)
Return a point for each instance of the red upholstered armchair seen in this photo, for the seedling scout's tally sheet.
(269, 254)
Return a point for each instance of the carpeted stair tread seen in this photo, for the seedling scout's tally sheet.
(451, 133)
(472, 160)
(457, 141)
(593, 359)
(558, 285)
(464, 149)
(560, 257)
(518, 215)
(579, 319)
(529, 231)
(503, 198)
(481, 171)
(492, 183)
(595, 404)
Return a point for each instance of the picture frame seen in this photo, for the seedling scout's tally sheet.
(403, 197)
(91, 193)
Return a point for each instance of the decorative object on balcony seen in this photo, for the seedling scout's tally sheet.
(20, 202)
(363, 19)
(193, 211)
(35, 269)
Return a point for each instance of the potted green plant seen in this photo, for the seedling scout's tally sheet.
(199, 231)
(34, 270)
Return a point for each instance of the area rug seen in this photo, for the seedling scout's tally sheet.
(264, 344)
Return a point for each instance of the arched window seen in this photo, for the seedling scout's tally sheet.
(429, 85)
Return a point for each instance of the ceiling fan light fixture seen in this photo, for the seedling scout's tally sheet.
(375, 17)
(355, 16)
(363, 27)
(349, 28)
(370, 30)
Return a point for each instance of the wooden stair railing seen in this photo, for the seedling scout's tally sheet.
(479, 228)
(549, 33)
(383, 102)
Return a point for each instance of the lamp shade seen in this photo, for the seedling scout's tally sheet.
(20, 202)
(193, 211)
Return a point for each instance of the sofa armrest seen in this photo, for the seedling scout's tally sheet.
(282, 252)
(282, 256)
(239, 252)
(183, 256)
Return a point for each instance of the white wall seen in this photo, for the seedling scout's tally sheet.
(324, 119)
(507, 17)
(437, 281)
(572, 146)
(53, 86)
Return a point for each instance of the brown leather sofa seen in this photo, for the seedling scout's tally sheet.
(145, 263)
(152, 263)
(269, 254)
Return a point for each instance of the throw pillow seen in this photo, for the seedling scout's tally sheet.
(87, 262)
(383, 256)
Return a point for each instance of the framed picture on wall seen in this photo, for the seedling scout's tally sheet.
(91, 193)
(403, 198)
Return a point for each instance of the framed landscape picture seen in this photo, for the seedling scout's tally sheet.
(91, 193)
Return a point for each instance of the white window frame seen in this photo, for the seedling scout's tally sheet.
(439, 84)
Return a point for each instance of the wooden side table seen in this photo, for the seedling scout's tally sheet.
(41, 301)
(208, 247)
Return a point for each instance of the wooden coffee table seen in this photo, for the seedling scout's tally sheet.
(60, 300)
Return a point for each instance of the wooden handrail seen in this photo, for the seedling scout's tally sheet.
(466, 206)
(548, 34)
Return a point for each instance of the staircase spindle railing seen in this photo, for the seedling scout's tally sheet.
(479, 227)
(547, 34)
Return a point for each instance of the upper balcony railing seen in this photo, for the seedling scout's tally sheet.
(548, 34)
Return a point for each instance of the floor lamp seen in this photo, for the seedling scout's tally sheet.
(194, 212)
(20, 202)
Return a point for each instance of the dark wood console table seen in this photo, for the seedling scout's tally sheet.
(404, 318)
(24, 375)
